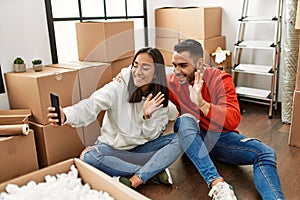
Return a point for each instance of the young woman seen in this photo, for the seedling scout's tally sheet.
(131, 144)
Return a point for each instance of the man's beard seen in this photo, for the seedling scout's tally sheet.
(185, 79)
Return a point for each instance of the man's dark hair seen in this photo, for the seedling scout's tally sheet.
(159, 82)
(191, 46)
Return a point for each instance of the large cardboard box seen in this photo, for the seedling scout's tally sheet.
(210, 45)
(90, 175)
(166, 22)
(17, 156)
(55, 144)
(105, 41)
(188, 22)
(117, 65)
(32, 90)
(92, 132)
(200, 23)
(17, 116)
(91, 75)
(166, 47)
(294, 134)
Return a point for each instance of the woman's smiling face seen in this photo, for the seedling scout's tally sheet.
(143, 70)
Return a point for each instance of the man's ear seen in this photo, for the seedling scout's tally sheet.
(199, 63)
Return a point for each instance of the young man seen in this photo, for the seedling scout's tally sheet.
(209, 116)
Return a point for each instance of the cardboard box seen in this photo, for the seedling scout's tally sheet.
(105, 41)
(55, 144)
(95, 178)
(91, 75)
(166, 22)
(166, 47)
(91, 133)
(209, 46)
(294, 134)
(117, 65)
(200, 23)
(18, 116)
(32, 90)
(17, 156)
(188, 22)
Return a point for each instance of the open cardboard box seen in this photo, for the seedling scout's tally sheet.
(95, 178)
(17, 116)
(17, 156)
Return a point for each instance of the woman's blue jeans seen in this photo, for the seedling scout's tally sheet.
(232, 148)
(145, 161)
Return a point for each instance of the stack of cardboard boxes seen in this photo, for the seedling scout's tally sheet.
(103, 48)
(175, 24)
(31, 90)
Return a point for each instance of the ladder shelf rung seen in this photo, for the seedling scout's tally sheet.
(261, 19)
(254, 93)
(254, 69)
(256, 44)
(259, 101)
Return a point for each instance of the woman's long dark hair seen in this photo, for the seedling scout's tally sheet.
(159, 82)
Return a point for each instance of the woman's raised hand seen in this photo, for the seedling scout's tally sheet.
(153, 104)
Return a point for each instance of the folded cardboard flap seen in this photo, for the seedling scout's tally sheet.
(16, 116)
(2, 139)
(95, 178)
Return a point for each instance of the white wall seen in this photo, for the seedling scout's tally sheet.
(23, 32)
(23, 28)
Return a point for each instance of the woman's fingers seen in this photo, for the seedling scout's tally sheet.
(158, 97)
(149, 97)
(52, 115)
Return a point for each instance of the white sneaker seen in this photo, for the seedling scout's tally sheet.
(222, 191)
(116, 178)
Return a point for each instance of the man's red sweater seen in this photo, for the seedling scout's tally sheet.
(218, 90)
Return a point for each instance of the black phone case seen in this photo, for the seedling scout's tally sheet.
(55, 103)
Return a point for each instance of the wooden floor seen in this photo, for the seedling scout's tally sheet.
(189, 185)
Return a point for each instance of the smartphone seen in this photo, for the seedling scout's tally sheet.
(55, 103)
